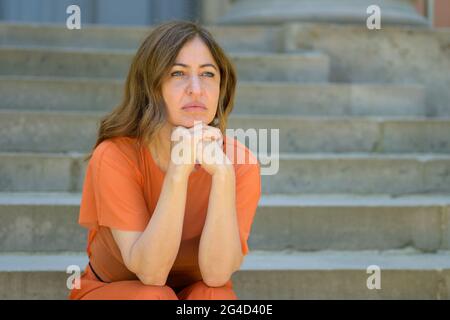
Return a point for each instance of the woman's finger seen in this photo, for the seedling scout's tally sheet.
(208, 133)
(213, 133)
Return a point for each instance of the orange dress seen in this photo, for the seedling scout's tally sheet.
(121, 190)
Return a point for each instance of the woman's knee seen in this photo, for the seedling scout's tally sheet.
(145, 292)
(201, 291)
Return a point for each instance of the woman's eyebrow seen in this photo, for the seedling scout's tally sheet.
(201, 66)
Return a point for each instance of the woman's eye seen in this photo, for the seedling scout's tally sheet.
(180, 72)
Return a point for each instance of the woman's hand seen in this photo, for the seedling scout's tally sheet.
(210, 153)
(183, 149)
(201, 145)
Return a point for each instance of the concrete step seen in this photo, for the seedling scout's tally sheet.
(340, 134)
(64, 131)
(100, 63)
(265, 275)
(331, 99)
(48, 222)
(257, 38)
(360, 173)
(399, 54)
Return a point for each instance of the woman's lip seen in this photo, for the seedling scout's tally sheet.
(195, 108)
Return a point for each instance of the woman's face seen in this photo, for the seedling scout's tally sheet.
(194, 78)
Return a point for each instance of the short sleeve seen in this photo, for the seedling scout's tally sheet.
(112, 192)
(248, 193)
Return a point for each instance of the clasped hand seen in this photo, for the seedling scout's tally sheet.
(200, 144)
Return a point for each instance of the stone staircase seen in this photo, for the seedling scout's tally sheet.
(364, 174)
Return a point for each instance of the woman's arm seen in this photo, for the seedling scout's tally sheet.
(150, 254)
(220, 252)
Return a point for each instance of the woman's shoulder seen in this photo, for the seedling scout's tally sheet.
(126, 146)
(122, 151)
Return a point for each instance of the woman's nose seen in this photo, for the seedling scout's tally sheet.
(194, 85)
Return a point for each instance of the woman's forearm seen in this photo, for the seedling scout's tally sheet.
(220, 252)
(156, 249)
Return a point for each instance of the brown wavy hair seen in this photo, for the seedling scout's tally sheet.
(142, 113)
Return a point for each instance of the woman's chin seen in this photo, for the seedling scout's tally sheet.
(189, 123)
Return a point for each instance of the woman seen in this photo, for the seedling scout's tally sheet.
(160, 228)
